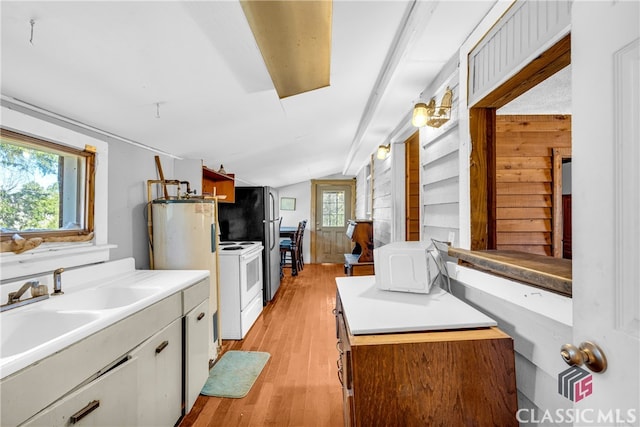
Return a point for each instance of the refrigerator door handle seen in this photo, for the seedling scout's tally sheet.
(273, 221)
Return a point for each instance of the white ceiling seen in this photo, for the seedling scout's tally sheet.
(115, 65)
(551, 96)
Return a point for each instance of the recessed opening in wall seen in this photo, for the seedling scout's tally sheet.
(521, 135)
(47, 188)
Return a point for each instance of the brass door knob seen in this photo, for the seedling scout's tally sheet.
(588, 353)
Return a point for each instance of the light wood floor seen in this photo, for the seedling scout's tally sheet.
(299, 385)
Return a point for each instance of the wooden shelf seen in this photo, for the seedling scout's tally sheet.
(553, 274)
(219, 184)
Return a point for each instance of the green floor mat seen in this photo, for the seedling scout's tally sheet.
(234, 374)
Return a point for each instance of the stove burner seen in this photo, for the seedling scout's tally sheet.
(247, 243)
(226, 243)
(232, 248)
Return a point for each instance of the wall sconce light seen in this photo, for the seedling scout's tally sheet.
(432, 115)
(383, 151)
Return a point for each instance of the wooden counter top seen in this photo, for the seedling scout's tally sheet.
(553, 274)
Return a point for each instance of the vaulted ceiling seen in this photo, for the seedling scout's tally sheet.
(187, 78)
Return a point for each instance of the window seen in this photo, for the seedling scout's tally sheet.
(333, 209)
(46, 189)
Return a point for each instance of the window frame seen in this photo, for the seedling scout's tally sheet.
(89, 153)
(482, 117)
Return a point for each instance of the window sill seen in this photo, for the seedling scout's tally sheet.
(552, 274)
(50, 256)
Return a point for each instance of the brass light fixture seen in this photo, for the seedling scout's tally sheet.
(383, 151)
(432, 115)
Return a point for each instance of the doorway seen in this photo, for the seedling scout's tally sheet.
(332, 207)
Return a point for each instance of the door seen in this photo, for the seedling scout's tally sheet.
(333, 208)
(605, 198)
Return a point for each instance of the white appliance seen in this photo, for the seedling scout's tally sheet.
(241, 282)
(184, 238)
(407, 267)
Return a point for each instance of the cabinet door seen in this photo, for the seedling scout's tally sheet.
(196, 352)
(160, 377)
(109, 400)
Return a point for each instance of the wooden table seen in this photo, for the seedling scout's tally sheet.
(288, 232)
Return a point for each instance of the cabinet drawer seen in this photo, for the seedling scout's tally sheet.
(107, 401)
(194, 295)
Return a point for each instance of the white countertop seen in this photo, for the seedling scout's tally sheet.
(369, 310)
(122, 273)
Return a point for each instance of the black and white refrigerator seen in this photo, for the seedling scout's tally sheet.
(255, 217)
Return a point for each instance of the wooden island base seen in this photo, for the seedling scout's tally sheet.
(439, 378)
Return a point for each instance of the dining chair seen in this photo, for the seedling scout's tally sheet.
(290, 250)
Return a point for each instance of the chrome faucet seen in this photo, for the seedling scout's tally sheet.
(14, 297)
(57, 282)
(38, 293)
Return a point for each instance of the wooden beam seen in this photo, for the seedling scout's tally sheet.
(482, 178)
(544, 66)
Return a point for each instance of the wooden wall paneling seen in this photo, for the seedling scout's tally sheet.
(523, 213)
(481, 172)
(516, 238)
(525, 174)
(516, 200)
(506, 225)
(522, 162)
(514, 188)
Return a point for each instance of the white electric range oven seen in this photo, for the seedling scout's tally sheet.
(240, 287)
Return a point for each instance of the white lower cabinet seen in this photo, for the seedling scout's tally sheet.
(160, 377)
(131, 373)
(106, 401)
(196, 352)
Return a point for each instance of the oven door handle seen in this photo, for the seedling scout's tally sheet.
(250, 256)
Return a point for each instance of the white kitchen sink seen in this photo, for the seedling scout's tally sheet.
(104, 298)
(29, 329)
(94, 298)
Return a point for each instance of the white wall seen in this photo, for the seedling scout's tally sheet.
(302, 193)
(129, 169)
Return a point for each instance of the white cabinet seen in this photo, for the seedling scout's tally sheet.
(196, 352)
(160, 377)
(106, 401)
(131, 373)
